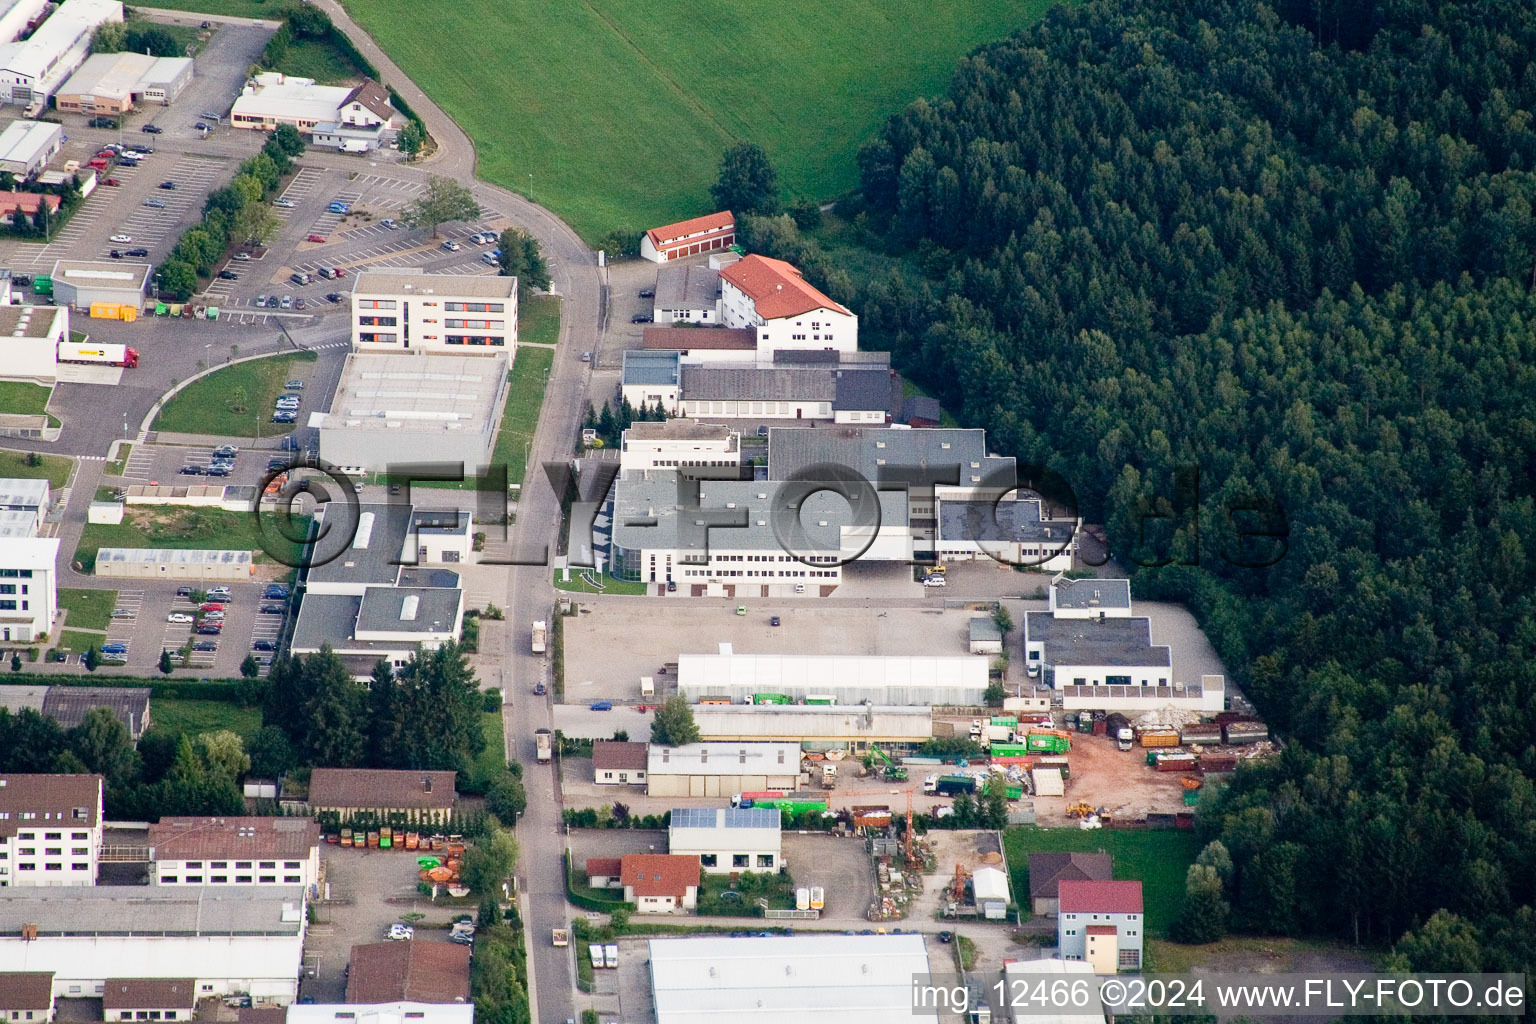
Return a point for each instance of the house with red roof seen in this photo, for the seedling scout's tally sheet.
(1102, 923)
(659, 883)
(692, 237)
(788, 313)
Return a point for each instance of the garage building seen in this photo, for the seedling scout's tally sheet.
(845, 678)
(854, 728)
(27, 146)
(728, 840)
(112, 83)
(788, 979)
(721, 769)
(174, 564)
(80, 283)
(29, 342)
(415, 409)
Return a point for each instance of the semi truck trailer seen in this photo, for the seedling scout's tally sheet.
(100, 355)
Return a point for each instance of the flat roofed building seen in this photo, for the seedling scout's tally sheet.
(272, 98)
(849, 679)
(424, 796)
(247, 941)
(234, 851)
(728, 840)
(26, 996)
(692, 237)
(421, 972)
(1095, 652)
(23, 494)
(375, 555)
(1089, 599)
(721, 769)
(452, 313)
(861, 392)
(674, 443)
(29, 341)
(32, 70)
(28, 587)
(1028, 975)
(113, 83)
(80, 283)
(391, 623)
(403, 409)
(50, 830)
(175, 564)
(853, 727)
(787, 979)
(651, 378)
(18, 524)
(687, 294)
(1006, 527)
(881, 456)
(27, 146)
(149, 999)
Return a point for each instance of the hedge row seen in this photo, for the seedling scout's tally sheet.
(227, 690)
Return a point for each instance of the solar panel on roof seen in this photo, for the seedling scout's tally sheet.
(754, 817)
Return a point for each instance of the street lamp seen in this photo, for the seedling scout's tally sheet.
(207, 355)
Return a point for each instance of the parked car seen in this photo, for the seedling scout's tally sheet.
(179, 617)
(647, 293)
(102, 122)
(773, 621)
(135, 252)
(286, 204)
(298, 303)
(934, 581)
(218, 593)
(210, 629)
(218, 471)
(287, 302)
(200, 126)
(193, 470)
(183, 591)
(272, 609)
(261, 302)
(601, 705)
(586, 357)
(205, 645)
(450, 245)
(213, 616)
(333, 296)
(229, 451)
(121, 238)
(114, 254)
(169, 186)
(112, 182)
(538, 689)
(284, 417)
(315, 238)
(241, 256)
(641, 318)
(211, 606)
(263, 645)
(151, 129)
(294, 385)
(389, 222)
(398, 931)
(228, 275)
(275, 591)
(114, 648)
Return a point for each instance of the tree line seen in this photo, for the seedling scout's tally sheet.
(1291, 247)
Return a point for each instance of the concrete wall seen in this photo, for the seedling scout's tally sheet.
(717, 785)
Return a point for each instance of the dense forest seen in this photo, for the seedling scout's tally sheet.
(1291, 246)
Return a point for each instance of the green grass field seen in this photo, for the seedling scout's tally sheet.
(577, 585)
(318, 59)
(115, 467)
(1158, 858)
(620, 109)
(269, 9)
(54, 467)
(78, 642)
(176, 527)
(236, 401)
(88, 609)
(22, 399)
(493, 759)
(195, 716)
(538, 319)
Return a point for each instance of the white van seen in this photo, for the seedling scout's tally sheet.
(595, 951)
(611, 954)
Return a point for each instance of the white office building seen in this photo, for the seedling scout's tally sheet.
(225, 940)
(677, 443)
(50, 831)
(234, 851)
(32, 70)
(728, 840)
(840, 679)
(787, 312)
(449, 313)
(29, 599)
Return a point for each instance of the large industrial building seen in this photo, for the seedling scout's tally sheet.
(226, 940)
(27, 146)
(721, 769)
(451, 313)
(114, 83)
(836, 678)
(33, 69)
(788, 979)
(394, 410)
(79, 284)
(29, 341)
(818, 728)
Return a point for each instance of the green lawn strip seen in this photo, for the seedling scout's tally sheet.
(178, 527)
(54, 467)
(318, 59)
(19, 398)
(538, 319)
(1158, 858)
(271, 10)
(493, 759)
(88, 609)
(115, 466)
(174, 715)
(587, 89)
(79, 642)
(525, 397)
(610, 585)
(208, 405)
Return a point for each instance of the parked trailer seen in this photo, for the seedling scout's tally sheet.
(561, 937)
(772, 698)
(595, 953)
(1217, 763)
(1159, 738)
(950, 785)
(544, 745)
(1201, 734)
(100, 355)
(1175, 762)
(540, 636)
(1245, 732)
(790, 803)
(1053, 741)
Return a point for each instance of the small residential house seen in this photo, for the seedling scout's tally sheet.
(616, 763)
(1048, 870)
(1101, 923)
(26, 996)
(388, 794)
(149, 999)
(659, 883)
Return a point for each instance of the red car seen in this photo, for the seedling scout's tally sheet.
(315, 238)
(211, 606)
(112, 181)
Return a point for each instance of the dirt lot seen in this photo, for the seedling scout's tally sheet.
(370, 889)
(1106, 777)
(608, 647)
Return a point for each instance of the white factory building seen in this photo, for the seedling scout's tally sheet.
(843, 678)
(29, 342)
(32, 70)
(113, 83)
(80, 283)
(27, 146)
(788, 979)
(16, 15)
(721, 769)
(728, 840)
(854, 728)
(29, 599)
(403, 409)
(448, 313)
(50, 831)
(227, 940)
(678, 443)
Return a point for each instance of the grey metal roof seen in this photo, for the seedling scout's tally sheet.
(687, 287)
(654, 368)
(647, 514)
(984, 629)
(726, 817)
(921, 407)
(1081, 594)
(1115, 643)
(1010, 521)
(425, 576)
(869, 450)
(152, 910)
(436, 609)
(845, 387)
(68, 705)
(866, 390)
(325, 619)
(377, 535)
